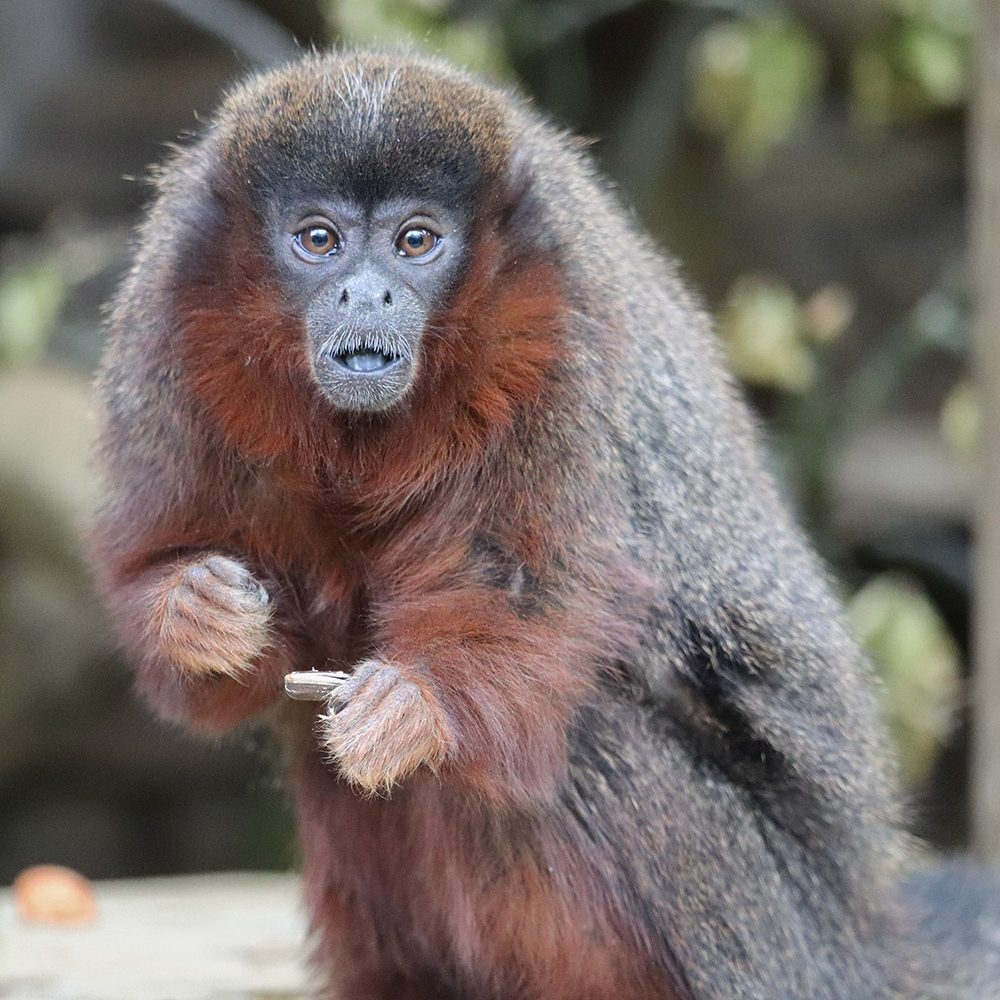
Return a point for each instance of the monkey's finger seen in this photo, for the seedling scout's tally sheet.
(367, 686)
(231, 572)
(313, 685)
(238, 598)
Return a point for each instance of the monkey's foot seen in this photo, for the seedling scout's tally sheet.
(381, 727)
(211, 617)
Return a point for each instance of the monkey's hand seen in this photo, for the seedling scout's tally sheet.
(210, 617)
(381, 726)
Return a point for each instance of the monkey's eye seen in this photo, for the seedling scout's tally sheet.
(416, 241)
(318, 240)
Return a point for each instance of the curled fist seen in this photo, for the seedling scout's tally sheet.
(211, 617)
(381, 727)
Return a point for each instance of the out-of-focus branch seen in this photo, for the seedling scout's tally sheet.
(244, 28)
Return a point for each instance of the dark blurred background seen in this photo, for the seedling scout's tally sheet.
(805, 160)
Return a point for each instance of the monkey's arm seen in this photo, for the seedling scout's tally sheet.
(465, 685)
(201, 631)
(206, 636)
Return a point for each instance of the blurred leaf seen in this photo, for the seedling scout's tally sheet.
(918, 661)
(31, 297)
(921, 63)
(960, 420)
(956, 16)
(937, 60)
(426, 24)
(754, 81)
(761, 327)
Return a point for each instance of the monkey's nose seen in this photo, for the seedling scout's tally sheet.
(365, 293)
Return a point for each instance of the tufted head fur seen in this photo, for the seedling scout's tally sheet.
(367, 126)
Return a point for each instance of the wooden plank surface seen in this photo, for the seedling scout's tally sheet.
(214, 937)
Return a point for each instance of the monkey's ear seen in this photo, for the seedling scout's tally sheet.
(520, 170)
(520, 203)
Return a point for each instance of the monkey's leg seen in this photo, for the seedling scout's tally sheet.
(349, 951)
(203, 635)
(465, 685)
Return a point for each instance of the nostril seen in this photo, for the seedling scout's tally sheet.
(344, 297)
(387, 298)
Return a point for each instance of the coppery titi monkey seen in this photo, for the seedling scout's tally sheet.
(396, 387)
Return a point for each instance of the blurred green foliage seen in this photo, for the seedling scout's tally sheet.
(37, 280)
(960, 420)
(473, 42)
(773, 339)
(918, 662)
(754, 81)
(761, 328)
(31, 299)
(919, 63)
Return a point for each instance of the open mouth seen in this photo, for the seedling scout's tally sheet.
(364, 378)
(366, 362)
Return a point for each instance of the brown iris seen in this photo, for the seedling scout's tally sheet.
(319, 240)
(416, 241)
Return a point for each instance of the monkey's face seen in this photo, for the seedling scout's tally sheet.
(351, 191)
(367, 278)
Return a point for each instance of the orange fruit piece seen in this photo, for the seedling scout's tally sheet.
(51, 894)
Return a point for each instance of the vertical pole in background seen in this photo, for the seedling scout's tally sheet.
(986, 264)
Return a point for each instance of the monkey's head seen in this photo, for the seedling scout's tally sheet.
(349, 193)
